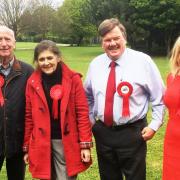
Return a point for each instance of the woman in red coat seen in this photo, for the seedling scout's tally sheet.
(171, 165)
(57, 137)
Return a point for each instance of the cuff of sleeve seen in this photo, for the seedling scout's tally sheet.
(92, 120)
(25, 149)
(155, 125)
(86, 145)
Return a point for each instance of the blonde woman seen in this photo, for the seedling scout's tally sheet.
(171, 165)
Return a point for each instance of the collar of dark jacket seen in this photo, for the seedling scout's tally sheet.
(16, 65)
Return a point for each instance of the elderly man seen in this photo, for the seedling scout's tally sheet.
(119, 85)
(13, 77)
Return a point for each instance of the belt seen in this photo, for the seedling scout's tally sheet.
(118, 127)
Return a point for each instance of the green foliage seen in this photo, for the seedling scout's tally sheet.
(37, 22)
(140, 3)
(159, 19)
(152, 25)
(99, 10)
(76, 22)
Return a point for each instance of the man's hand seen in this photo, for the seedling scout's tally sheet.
(147, 133)
(26, 158)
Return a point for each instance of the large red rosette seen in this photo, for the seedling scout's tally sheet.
(125, 90)
(1, 94)
(56, 93)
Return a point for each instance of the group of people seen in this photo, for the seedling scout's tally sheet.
(47, 115)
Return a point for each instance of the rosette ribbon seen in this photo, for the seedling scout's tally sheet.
(125, 90)
(56, 93)
(1, 94)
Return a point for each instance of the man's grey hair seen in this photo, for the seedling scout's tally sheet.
(5, 29)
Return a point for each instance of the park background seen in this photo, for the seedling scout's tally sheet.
(152, 27)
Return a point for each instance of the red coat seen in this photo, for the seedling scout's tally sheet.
(75, 124)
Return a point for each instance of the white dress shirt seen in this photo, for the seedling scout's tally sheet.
(141, 72)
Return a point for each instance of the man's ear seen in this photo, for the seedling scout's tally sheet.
(14, 44)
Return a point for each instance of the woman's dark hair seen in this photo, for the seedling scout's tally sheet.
(108, 24)
(46, 45)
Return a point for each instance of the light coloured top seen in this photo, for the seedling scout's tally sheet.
(141, 72)
(7, 70)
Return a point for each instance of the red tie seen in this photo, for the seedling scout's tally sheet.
(110, 90)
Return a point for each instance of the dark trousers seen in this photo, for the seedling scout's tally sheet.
(15, 167)
(121, 151)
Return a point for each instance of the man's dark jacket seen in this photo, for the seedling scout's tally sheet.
(12, 114)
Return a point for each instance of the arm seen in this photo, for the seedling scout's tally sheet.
(155, 88)
(89, 95)
(82, 115)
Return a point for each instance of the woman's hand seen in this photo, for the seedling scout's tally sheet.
(26, 158)
(85, 155)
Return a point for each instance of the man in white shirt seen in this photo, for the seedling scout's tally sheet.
(119, 118)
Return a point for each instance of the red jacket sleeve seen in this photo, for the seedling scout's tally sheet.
(82, 114)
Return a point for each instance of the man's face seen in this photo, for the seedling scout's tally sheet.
(7, 45)
(47, 62)
(114, 43)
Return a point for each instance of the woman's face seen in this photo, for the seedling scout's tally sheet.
(47, 62)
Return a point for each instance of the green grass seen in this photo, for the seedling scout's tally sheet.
(25, 45)
(78, 59)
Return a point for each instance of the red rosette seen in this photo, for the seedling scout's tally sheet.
(125, 90)
(1, 81)
(1, 95)
(56, 93)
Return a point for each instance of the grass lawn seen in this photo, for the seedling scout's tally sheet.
(78, 58)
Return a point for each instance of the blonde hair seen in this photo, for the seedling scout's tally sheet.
(5, 29)
(175, 58)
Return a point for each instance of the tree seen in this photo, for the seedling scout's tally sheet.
(98, 10)
(37, 19)
(10, 13)
(149, 23)
(160, 21)
(75, 21)
(42, 20)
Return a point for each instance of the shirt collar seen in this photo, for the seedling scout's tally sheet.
(9, 65)
(119, 61)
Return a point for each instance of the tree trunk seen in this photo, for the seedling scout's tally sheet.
(168, 43)
(79, 40)
(149, 44)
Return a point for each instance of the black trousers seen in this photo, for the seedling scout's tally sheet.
(15, 167)
(121, 151)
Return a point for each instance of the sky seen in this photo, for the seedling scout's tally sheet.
(57, 2)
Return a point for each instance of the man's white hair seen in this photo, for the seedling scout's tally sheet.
(5, 29)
